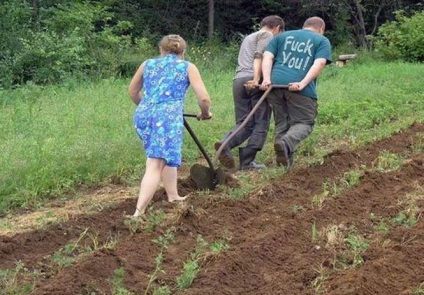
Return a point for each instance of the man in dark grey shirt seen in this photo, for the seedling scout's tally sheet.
(248, 72)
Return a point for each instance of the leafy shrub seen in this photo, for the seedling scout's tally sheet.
(403, 38)
(143, 50)
(74, 40)
(15, 21)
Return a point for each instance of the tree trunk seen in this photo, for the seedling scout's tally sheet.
(211, 16)
(361, 23)
(35, 15)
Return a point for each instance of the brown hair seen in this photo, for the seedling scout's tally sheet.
(314, 22)
(272, 21)
(174, 44)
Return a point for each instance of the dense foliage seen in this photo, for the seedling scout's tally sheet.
(402, 38)
(48, 41)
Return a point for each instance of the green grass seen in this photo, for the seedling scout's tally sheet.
(55, 138)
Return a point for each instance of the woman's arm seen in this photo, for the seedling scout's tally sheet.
(199, 88)
(136, 84)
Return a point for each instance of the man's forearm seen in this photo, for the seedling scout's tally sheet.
(257, 70)
(314, 71)
(266, 67)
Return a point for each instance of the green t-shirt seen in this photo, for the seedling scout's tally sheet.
(294, 53)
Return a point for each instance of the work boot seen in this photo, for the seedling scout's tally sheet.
(283, 155)
(225, 157)
(247, 157)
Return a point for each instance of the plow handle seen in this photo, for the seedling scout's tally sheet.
(252, 112)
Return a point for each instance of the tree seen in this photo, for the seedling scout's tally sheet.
(211, 16)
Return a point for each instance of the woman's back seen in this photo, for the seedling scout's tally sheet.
(165, 79)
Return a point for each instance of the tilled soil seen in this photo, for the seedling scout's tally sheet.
(281, 240)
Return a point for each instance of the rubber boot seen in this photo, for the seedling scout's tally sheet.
(225, 158)
(283, 155)
(247, 157)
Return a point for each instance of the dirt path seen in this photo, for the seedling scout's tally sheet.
(314, 231)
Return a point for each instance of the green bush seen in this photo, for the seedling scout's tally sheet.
(138, 53)
(402, 39)
(74, 40)
(15, 23)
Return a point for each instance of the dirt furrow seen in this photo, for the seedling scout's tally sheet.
(283, 259)
(271, 246)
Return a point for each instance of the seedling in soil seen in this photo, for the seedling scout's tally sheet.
(319, 199)
(153, 218)
(163, 241)
(411, 214)
(244, 190)
(418, 145)
(406, 218)
(62, 260)
(64, 257)
(298, 209)
(419, 290)
(9, 281)
(111, 242)
(190, 270)
(6, 225)
(158, 269)
(181, 211)
(219, 246)
(95, 245)
(387, 162)
(192, 266)
(162, 290)
(135, 225)
(240, 192)
(357, 245)
(318, 282)
(118, 282)
(333, 235)
(351, 178)
(379, 224)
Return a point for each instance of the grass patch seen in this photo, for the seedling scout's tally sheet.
(11, 280)
(410, 212)
(387, 162)
(54, 139)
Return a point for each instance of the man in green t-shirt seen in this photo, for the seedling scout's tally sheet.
(294, 58)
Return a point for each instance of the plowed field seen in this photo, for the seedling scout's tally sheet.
(352, 225)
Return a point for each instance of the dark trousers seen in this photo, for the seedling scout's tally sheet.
(256, 130)
(294, 116)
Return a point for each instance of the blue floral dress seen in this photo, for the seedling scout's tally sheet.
(158, 118)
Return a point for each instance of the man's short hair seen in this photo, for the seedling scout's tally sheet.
(272, 21)
(314, 22)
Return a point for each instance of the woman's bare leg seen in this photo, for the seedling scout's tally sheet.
(169, 180)
(149, 184)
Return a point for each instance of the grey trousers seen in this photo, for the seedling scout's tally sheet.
(294, 116)
(256, 130)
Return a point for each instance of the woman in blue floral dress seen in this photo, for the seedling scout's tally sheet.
(158, 118)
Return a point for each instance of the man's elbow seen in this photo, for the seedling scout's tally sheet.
(320, 62)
